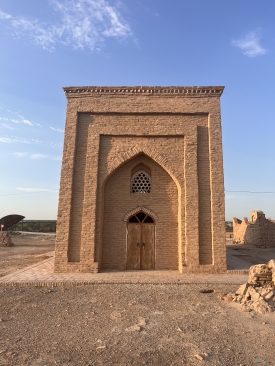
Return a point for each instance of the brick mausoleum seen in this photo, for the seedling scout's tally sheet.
(142, 180)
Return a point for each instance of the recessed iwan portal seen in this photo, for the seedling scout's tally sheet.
(142, 180)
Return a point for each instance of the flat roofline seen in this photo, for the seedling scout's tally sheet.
(145, 90)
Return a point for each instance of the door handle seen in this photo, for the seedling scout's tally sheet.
(138, 245)
(143, 245)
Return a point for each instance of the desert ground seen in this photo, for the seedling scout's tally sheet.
(133, 324)
(27, 250)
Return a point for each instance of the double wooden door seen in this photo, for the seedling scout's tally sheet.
(141, 246)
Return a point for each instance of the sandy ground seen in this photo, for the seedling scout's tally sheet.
(243, 256)
(121, 324)
(130, 325)
(27, 250)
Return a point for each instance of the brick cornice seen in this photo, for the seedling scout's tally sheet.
(185, 91)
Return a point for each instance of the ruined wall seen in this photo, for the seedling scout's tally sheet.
(259, 231)
(239, 229)
(5, 239)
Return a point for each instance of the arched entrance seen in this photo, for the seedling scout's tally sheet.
(140, 242)
(140, 186)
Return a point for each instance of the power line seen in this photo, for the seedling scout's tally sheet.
(247, 191)
(55, 190)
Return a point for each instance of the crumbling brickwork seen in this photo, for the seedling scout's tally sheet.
(5, 239)
(262, 274)
(170, 134)
(259, 231)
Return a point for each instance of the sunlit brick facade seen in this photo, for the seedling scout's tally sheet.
(142, 180)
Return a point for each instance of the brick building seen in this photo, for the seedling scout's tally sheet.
(258, 231)
(142, 180)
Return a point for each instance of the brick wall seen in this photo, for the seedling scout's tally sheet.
(175, 131)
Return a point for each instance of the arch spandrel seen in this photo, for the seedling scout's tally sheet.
(134, 152)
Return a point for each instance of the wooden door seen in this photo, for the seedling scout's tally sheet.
(133, 246)
(141, 246)
(147, 258)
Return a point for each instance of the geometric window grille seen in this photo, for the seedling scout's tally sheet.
(141, 182)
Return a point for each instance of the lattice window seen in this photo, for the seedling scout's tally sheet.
(141, 182)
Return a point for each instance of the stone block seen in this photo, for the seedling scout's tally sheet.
(269, 296)
(271, 264)
(254, 295)
(241, 290)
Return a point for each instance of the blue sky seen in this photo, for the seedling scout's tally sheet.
(48, 44)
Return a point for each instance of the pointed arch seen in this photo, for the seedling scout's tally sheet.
(115, 206)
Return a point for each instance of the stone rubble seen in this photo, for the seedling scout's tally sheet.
(5, 239)
(258, 293)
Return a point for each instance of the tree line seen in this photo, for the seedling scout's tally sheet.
(42, 226)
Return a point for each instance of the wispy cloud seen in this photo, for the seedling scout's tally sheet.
(57, 129)
(81, 24)
(4, 15)
(22, 140)
(6, 140)
(27, 122)
(19, 119)
(16, 113)
(250, 44)
(20, 154)
(38, 156)
(7, 126)
(34, 189)
(15, 139)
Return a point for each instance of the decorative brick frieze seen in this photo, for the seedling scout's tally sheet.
(145, 90)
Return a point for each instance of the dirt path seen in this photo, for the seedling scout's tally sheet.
(27, 250)
(243, 256)
(130, 325)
